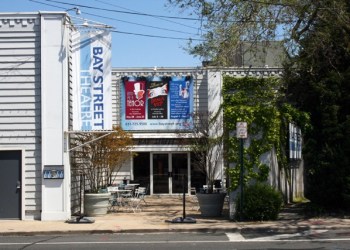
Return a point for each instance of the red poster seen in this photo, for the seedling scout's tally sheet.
(135, 100)
(157, 94)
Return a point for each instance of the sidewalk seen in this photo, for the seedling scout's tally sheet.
(153, 219)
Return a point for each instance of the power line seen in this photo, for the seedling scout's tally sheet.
(119, 20)
(155, 36)
(144, 25)
(163, 19)
(130, 33)
(125, 12)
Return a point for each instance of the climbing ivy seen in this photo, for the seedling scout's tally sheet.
(260, 103)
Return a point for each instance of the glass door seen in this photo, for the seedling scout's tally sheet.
(161, 173)
(179, 171)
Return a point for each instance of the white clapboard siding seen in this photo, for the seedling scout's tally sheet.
(33, 174)
(4, 113)
(7, 60)
(19, 78)
(18, 126)
(17, 99)
(30, 164)
(20, 106)
(16, 86)
(19, 52)
(24, 64)
(20, 99)
(23, 92)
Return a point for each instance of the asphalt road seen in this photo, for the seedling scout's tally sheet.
(314, 239)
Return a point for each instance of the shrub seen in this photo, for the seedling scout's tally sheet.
(260, 202)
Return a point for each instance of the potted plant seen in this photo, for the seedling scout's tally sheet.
(206, 144)
(99, 157)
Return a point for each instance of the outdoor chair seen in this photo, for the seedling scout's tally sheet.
(140, 193)
(134, 203)
(114, 201)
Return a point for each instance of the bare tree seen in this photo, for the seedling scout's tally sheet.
(100, 156)
(206, 145)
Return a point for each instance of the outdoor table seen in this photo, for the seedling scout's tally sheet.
(131, 186)
(121, 196)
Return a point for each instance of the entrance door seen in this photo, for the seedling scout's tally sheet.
(161, 173)
(179, 173)
(170, 173)
(10, 184)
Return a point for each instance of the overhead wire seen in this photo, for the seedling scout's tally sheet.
(160, 18)
(152, 15)
(131, 33)
(125, 12)
(156, 36)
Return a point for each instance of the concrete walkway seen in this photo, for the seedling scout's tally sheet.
(157, 211)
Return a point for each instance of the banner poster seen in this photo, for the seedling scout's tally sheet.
(135, 101)
(180, 99)
(157, 95)
(92, 96)
(157, 103)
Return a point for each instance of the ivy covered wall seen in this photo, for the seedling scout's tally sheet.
(260, 102)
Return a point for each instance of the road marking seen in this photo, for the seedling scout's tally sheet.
(236, 237)
(286, 236)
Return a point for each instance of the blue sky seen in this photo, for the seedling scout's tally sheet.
(130, 50)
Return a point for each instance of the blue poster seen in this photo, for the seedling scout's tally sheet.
(180, 99)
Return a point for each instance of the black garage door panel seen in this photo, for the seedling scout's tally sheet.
(10, 176)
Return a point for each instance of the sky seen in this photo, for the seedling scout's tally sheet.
(138, 25)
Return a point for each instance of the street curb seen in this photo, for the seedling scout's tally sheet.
(270, 229)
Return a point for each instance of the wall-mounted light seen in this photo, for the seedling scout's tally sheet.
(77, 10)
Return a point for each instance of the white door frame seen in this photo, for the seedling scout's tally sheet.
(170, 168)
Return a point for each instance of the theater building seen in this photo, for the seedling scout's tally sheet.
(158, 131)
(39, 67)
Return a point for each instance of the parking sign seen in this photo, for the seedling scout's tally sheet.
(241, 130)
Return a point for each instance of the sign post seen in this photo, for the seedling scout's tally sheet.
(241, 128)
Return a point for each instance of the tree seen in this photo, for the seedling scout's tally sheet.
(99, 156)
(225, 24)
(316, 35)
(318, 82)
(206, 145)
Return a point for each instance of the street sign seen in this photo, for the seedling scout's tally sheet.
(241, 128)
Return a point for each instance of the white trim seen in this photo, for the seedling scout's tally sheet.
(151, 173)
(23, 186)
(189, 179)
(170, 169)
(174, 135)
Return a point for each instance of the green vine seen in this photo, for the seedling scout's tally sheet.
(259, 102)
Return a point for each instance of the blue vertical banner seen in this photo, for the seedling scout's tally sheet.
(295, 141)
(92, 91)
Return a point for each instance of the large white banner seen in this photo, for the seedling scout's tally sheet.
(92, 81)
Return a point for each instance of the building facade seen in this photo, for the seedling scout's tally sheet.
(37, 71)
(161, 158)
(34, 104)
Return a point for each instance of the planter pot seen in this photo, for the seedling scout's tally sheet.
(96, 204)
(211, 205)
